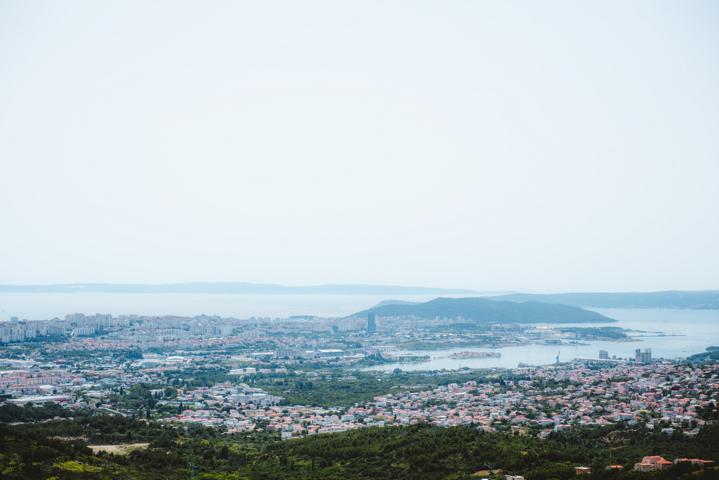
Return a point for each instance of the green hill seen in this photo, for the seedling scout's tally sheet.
(710, 355)
(488, 311)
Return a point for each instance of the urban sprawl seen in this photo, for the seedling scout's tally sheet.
(232, 374)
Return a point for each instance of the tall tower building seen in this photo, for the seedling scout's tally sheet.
(647, 355)
(643, 357)
(371, 323)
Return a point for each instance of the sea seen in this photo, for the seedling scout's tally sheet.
(669, 333)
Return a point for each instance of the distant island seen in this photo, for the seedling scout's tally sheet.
(484, 310)
(697, 299)
(233, 288)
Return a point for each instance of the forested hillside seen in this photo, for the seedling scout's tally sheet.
(58, 449)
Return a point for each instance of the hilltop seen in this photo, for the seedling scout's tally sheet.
(484, 310)
(711, 354)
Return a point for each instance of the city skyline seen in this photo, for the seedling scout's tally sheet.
(408, 240)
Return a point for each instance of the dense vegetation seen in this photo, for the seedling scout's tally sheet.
(335, 388)
(710, 355)
(57, 449)
(15, 413)
(597, 333)
(489, 311)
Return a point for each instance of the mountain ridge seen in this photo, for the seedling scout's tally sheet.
(485, 310)
(232, 288)
(681, 299)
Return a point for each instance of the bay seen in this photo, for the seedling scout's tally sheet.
(669, 333)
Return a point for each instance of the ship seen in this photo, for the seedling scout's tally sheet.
(470, 354)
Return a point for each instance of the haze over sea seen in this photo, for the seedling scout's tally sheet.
(685, 331)
(41, 306)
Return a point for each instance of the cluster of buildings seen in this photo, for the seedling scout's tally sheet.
(73, 325)
(98, 372)
(643, 356)
(102, 355)
(128, 327)
(243, 408)
(26, 330)
(361, 335)
(665, 396)
(651, 463)
(33, 381)
(656, 462)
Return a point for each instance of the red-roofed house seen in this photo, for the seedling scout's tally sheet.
(652, 463)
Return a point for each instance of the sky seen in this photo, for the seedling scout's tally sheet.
(536, 146)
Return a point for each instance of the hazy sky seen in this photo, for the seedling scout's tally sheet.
(530, 145)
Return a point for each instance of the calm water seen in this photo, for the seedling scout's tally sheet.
(40, 306)
(697, 329)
